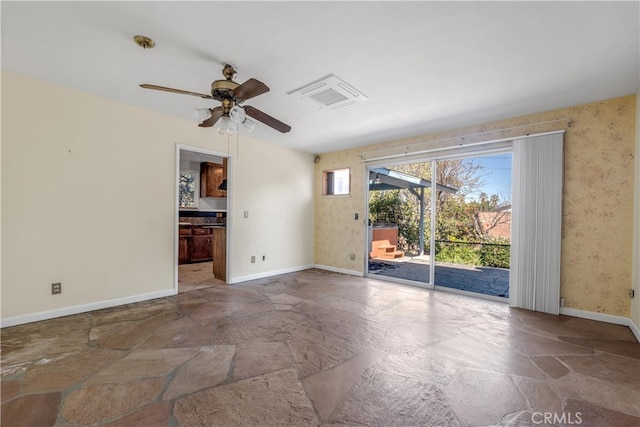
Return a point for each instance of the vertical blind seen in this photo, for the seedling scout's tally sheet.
(536, 223)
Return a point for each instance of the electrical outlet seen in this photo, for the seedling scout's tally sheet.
(352, 256)
(56, 288)
(264, 257)
(356, 216)
(253, 259)
(246, 214)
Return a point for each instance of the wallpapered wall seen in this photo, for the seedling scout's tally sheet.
(597, 204)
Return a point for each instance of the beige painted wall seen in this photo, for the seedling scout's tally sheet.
(598, 198)
(276, 188)
(88, 193)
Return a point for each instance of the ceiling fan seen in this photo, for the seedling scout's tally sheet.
(232, 96)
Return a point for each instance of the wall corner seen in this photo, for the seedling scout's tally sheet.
(635, 277)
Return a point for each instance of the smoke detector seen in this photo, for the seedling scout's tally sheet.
(329, 92)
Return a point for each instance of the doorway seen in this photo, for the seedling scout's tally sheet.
(203, 189)
(454, 238)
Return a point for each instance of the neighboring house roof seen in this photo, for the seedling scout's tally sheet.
(387, 179)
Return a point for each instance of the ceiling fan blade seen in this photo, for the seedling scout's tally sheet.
(249, 89)
(266, 119)
(183, 92)
(216, 113)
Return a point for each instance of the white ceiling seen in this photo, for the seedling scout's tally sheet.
(425, 66)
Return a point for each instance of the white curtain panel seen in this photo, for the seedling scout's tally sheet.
(536, 223)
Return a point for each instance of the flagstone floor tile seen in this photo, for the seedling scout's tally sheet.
(317, 348)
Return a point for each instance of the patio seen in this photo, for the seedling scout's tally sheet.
(483, 280)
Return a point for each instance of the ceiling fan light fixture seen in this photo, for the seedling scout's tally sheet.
(225, 126)
(239, 118)
(249, 125)
(237, 114)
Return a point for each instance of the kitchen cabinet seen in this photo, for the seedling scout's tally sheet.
(219, 254)
(211, 176)
(183, 250)
(194, 243)
(184, 243)
(201, 248)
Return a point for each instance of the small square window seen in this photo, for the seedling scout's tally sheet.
(336, 182)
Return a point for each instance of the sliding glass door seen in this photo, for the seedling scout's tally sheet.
(473, 226)
(442, 222)
(400, 198)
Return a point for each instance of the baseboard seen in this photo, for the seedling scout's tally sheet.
(340, 270)
(634, 328)
(601, 317)
(68, 311)
(240, 279)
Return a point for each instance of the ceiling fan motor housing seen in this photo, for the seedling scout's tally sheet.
(223, 89)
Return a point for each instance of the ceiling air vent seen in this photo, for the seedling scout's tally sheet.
(330, 92)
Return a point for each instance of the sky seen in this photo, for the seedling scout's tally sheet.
(497, 171)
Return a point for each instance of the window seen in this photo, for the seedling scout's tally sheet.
(336, 182)
(188, 189)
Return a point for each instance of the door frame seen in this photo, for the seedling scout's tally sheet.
(369, 234)
(176, 228)
(433, 158)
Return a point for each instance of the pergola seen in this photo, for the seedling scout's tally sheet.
(381, 179)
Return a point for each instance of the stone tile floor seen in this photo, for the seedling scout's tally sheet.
(196, 276)
(319, 348)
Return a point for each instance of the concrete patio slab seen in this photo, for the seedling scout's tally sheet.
(472, 278)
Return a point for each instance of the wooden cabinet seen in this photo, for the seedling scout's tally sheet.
(211, 176)
(184, 243)
(201, 248)
(194, 244)
(183, 250)
(219, 247)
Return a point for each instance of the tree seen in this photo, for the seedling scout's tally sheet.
(457, 220)
(463, 174)
(488, 213)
